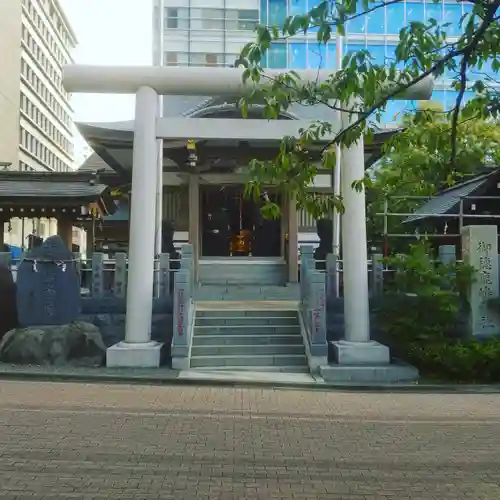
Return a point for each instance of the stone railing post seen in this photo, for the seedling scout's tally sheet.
(97, 283)
(317, 314)
(120, 277)
(332, 276)
(306, 265)
(377, 275)
(181, 318)
(447, 254)
(187, 260)
(164, 276)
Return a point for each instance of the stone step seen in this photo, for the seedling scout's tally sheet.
(247, 329)
(247, 350)
(250, 339)
(249, 361)
(234, 292)
(245, 321)
(261, 369)
(224, 297)
(246, 313)
(224, 288)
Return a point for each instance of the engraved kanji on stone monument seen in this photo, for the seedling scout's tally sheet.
(48, 286)
(480, 250)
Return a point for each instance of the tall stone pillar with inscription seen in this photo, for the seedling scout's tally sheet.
(480, 250)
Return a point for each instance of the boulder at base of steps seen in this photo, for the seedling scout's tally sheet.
(252, 340)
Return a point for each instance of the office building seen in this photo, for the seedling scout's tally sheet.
(36, 127)
(376, 32)
(212, 33)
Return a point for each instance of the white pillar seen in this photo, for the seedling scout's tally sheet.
(194, 220)
(354, 241)
(357, 348)
(159, 183)
(137, 350)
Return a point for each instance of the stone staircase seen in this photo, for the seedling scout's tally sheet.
(209, 293)
(267, 340)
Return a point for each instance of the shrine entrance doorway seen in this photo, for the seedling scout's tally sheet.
(232, 225)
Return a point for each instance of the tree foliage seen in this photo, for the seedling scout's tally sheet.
(423, 50)
(418, 162)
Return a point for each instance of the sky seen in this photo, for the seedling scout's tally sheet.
(109, 32)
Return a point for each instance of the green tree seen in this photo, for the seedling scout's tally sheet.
(423, 50)
(418, 162)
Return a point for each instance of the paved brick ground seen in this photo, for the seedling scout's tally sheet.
(97, 442)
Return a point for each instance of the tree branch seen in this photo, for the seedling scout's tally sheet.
(466, 54)
(467, 49)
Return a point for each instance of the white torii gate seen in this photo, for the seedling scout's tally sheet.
(147, 83)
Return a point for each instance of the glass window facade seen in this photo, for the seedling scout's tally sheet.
(376, 32)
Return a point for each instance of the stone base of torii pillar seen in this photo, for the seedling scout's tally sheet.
(358, 358)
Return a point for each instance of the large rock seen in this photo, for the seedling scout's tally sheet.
(77, 343)
(48, 286)
(8, 311)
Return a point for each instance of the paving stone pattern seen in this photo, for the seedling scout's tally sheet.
(97, 442)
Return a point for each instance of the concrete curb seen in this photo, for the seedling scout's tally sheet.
(173, 377)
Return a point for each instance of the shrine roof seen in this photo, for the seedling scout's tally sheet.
(49, 189)
(53, 189)
(447, 201)
(113, 143)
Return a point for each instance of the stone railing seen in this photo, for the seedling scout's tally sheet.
(183, 313)
(101, 277)
(313, 309)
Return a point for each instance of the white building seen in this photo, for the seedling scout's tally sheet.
(200, 33)
(36, 131)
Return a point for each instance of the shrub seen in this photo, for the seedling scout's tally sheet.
(420, 318)
(459, 361)
(425, 299)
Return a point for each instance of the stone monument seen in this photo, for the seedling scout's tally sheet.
(480, 250)
(48, 286)
(8, 311)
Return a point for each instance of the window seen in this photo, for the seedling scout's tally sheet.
(176, 17)
(414, 12)
(297, 7)
(375, 20)
(378, 54)
(298, 55)
(316, 56)
(170, 59)
(351, 48)
(276, 56)
(212, 19)
(212, 59)
(277, 12)
(248, 19)
(331, 50)
(394, 111)
(204, 59)
(391, 56)
(434, 11)
(357, 25)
